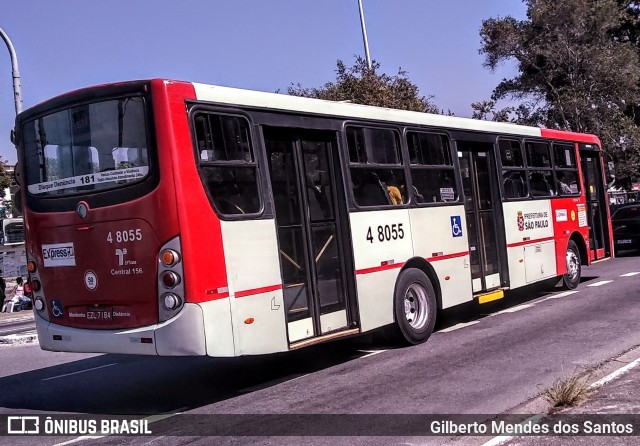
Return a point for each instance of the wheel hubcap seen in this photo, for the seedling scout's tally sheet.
(573, 267)
(416, 308)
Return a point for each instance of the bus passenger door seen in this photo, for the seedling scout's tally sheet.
(308, 196)
(481, 200)
(597, 218)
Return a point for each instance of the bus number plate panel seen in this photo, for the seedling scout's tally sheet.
(100, 314)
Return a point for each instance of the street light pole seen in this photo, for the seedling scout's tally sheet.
(17, 90)
(364, 34)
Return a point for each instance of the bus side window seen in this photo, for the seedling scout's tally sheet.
(514, 183)
(227, 167)
(368, 190)
(540, 187)
(567, 182)
(432, 171)
(514, 178)
(376, 167)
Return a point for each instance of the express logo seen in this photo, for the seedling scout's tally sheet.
(520, 221)
(58, 254)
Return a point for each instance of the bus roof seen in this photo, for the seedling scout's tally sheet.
(277, 101)
(310, 106)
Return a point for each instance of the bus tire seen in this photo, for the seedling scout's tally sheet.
(415, 306)
(571, 278)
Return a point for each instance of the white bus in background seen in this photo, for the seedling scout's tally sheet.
(13, 258)
(12, 231)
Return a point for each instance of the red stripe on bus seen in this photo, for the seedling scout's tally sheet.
(569, 136)
(375, 269)
(447, 256)
(529, 242)
(265, 289)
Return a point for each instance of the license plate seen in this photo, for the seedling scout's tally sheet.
(624, 242)
(101, 314)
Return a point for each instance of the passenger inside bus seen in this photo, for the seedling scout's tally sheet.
(318, 191)
(539, 185)
(368, 189)
(514, 185)
(393, 191)
(562, 186)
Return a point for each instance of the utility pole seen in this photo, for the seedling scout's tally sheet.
(364, 34)
(17, 90)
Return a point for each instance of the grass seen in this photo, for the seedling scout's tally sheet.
(568, 392)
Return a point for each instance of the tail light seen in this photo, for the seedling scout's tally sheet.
(171, 301)
(35, 285)
(170, 280)
(37, 290)
(169, 257)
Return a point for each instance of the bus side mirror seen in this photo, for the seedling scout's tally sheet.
(612, 169)
(16, 175)
(12, 137)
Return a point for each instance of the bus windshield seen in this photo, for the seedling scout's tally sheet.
(87, 147)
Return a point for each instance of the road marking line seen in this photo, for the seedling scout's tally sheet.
(559, 295)
(298, 377)
(152, 419)
(513, 309)
(610, 377)
(630, 274)
(81, 371)
(458, 326)
(602, 282)
(76, 440)
(616, 373)
(495, 441)
(370, 353)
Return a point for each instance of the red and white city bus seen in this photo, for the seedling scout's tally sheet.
(175, 218)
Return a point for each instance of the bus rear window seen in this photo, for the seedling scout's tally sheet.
(86, 148)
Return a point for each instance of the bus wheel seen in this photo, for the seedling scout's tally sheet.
(572, 277)
(414, 306)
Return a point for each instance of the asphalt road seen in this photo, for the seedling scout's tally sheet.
(483, 360)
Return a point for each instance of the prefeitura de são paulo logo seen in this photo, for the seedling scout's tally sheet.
(520, 221)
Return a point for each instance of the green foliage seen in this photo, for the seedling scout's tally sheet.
(579, 70)
(361, 85)
(6, 179)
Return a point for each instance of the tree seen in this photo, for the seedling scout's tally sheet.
(363, 85)
(6, 180)
(579, 70)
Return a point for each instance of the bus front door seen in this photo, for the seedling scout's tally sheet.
(310, 219)
(480, 201)
(597, 218)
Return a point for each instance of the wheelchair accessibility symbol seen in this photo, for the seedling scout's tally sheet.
(56, 309)
(456, 226)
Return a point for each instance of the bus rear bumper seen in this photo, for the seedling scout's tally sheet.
(182, 335)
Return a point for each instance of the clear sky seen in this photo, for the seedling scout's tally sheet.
(264, 45)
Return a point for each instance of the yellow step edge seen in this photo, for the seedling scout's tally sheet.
(490, 297)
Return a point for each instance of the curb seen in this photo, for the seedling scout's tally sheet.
(19, 339)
